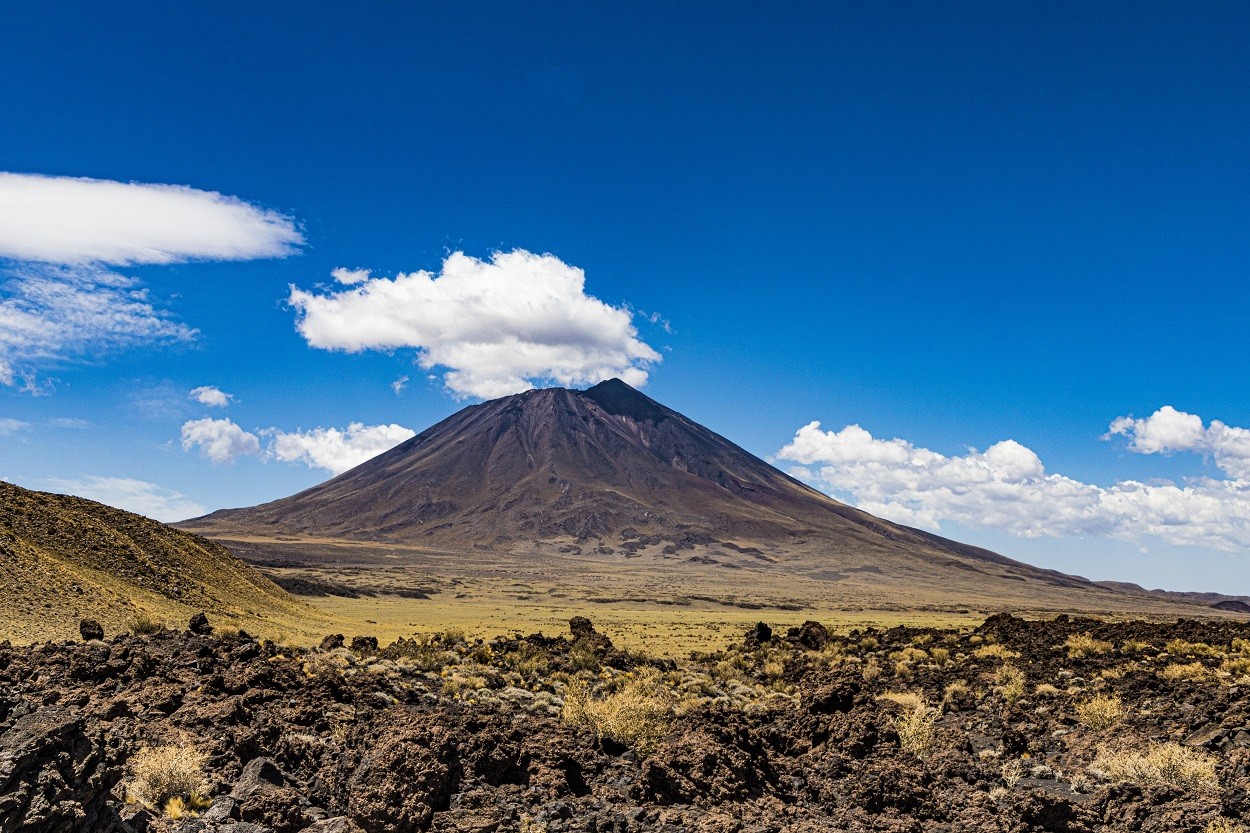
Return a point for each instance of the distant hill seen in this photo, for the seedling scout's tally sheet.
(64, 558)
(610, 474)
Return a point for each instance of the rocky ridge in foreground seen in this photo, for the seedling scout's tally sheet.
(1067, 725)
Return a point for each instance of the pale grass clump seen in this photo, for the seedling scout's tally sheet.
(914, 721)
(1238, 666)
(871, 670)
(1240, 646)
(1100, 712)
(1045, 690)
(1135, 646)
(995, 651)
(1181, 648)
(954, 691)
(163, 774)
(1010, 683)
(634, 715)
(1162, 763)
(1085, 645)
(142, 624)
(941, 657)
(1183, 671)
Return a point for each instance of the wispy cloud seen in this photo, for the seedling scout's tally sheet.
(63, 299)
(496, 326)
(12, 426)
(1007, 487)
(132, 495)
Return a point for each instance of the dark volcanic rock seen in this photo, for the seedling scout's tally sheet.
(199, 625)
(90, 629)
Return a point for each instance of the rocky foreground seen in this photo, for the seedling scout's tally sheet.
(1066, 725)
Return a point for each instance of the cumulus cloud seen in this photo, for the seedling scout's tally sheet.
(1006, 487)
(334, 450)
(62, 298)
(211, 396)
(132, 495)
(496, 326)
(68, 220)
(220, 440)
(330, 449)
(1168, 430)
(12, 426)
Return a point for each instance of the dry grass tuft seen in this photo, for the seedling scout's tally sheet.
(141, 624)
(634, 715)
(914, 721)
(1181, 648)
(1010, 682)
(1223, 825)
(165, 773)
(1101, 712)
(1084, 645)
(1183, 671)
(1162, 763)
(995, 651)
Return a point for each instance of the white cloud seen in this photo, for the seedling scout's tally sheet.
(334, 450)
(1168, 430)
(220, 440)
(1006, 487)
(399, 384)
(133, 496)
(497, 326)
(12, 426)
(211, 396)
(69, 220)
(49, 314)
(61, 301)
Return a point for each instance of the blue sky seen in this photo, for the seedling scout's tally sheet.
(953, 226)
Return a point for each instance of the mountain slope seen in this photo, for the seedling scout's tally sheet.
(64, 558)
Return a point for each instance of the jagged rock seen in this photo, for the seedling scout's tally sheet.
(55, 777)
(759, 634)
(812, 635)
(332, 641)
(260, 775)
(90, 629)
(364, 644)
(338, 824)
(199, 625)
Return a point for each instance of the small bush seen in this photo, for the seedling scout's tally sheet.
(1135, 646)
(634, 715)
(1101, 712)
(941, 657)
(1084, 645)
(914, 721)
(1183, 671)
(141, 624)
(1238, 666)
(164, 773)
(995, 651)
(872, 670)
(1010, 682)
(1163, 763)
(1181, 648)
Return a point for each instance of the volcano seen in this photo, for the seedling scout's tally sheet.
(612, 487)
(606, 468)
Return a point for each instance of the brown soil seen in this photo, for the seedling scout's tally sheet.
(776, 733)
